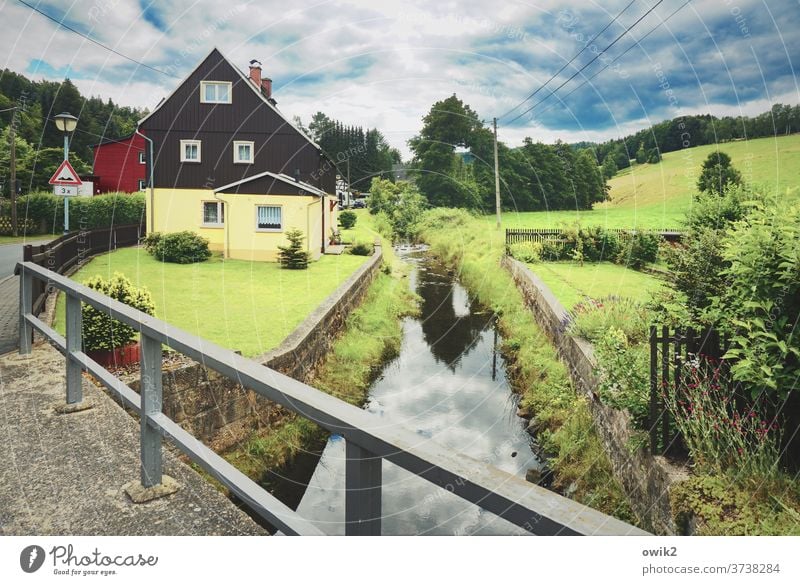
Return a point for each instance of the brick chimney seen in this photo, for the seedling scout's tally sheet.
(266, 87)
(255, 73)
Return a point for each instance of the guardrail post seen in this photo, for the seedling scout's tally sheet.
(25, 308)
(74, 336)
(151, 404)
(362, 491)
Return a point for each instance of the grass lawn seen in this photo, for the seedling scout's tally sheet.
(657, 196)
(572, 283)
(242, 305)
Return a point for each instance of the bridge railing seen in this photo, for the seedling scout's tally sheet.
(368, 440)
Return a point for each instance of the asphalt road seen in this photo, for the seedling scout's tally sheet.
(10, 254)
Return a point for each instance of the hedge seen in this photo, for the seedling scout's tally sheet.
(46, 211)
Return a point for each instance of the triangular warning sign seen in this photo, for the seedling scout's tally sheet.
(65, 175)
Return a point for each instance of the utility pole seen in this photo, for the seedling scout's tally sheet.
(13, 185)
(496, 176)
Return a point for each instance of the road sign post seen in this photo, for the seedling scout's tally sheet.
(65, 182)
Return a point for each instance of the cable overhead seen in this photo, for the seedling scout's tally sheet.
(96, 42)
(568, 63)
(578, 72)
(623, 53)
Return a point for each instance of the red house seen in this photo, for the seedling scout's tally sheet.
(120, 164)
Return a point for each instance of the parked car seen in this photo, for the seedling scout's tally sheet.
(359, 204)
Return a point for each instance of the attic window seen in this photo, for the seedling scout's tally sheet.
(215, 92)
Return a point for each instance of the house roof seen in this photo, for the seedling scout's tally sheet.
(281, 177)
(104, 140)
(248, 83)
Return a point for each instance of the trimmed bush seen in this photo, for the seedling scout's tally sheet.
(46, 210)
(100, 331)
(347, 219)
(178, 247)
(362, 249)
(293, 256)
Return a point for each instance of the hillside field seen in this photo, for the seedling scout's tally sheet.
(657, 196)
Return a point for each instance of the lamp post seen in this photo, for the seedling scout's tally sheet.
(66, 123)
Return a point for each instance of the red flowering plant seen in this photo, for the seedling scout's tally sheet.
(721, 435)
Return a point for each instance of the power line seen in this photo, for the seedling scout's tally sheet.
(96, 42)
(568, 63)
(623, 53)
(578, 72)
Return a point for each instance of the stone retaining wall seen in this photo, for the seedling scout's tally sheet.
(645, 479)
(219, 411)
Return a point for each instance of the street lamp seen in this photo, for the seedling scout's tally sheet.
(66, 123)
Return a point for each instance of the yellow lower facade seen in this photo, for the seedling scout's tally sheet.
(238, 235)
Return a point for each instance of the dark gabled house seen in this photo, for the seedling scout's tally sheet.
(227, 164)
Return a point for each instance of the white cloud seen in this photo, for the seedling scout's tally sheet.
(384, 63)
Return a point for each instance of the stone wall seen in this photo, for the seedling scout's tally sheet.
(646, 479)
(219, 411)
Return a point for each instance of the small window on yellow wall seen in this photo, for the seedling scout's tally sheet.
(269, 218)
(213, 214)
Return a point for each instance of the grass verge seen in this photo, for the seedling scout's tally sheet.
(561, 418)
(246, 306)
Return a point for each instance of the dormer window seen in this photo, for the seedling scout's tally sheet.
(215, 92)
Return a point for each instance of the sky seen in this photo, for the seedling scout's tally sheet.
(384, 63)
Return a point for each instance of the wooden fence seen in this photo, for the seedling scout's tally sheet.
(24, 226)
(71, 249)
(514, 236)
(670, 350)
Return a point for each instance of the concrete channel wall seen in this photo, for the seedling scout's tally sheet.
(219, 411)
(646, 479)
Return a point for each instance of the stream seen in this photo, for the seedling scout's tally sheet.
(448, 384)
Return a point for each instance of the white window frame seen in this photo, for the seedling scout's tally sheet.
(142, 160)
(142, 184)
(236, 145)
(268, 230)
(204, 84)
(220, 214)
(184, 144)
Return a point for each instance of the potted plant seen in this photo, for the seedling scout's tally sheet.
(106, 340)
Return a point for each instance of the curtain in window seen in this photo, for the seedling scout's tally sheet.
(244, 152)
(269, 217)
(211, 213)
(191, 152)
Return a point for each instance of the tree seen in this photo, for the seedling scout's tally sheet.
(717, 174)
(609, 167)
(294, 256)
(641, 154)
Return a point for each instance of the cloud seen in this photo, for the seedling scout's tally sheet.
(384, 63)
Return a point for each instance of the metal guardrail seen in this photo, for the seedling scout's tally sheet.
(368, 440)
(73, 248)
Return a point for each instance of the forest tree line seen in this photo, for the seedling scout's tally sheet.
(39, 144)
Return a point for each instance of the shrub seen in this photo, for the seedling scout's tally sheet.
(527, 251)
(178, 247)
(293, 256)
(100, 331)
(347, 219)
(720, 438)
(362, 249)
(623, 370)
(383, 225)
(718, 174)
(639, 249)
(552, 250)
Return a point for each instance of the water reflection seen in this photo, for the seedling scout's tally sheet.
(441, 387)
